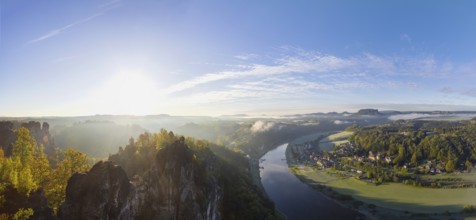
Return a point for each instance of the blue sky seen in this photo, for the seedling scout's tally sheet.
(235, 57)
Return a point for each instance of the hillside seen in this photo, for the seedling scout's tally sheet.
(168, 177)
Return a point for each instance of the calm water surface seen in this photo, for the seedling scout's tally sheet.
(294, 198)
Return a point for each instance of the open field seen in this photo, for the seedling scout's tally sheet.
(335, 139)
(391, 199)
(307, 138)
(393, 195)
(340, 136)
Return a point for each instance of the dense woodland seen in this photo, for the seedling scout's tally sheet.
(414, 147)
(415, 142)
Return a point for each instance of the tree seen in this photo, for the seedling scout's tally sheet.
(468, 165)
(55, 190)
(18, 168)
(23, 214)
(414, 159)
(450, 166)
(404, 171)
(26, 183)
(24, 147)
(2, 163)
(41, 167)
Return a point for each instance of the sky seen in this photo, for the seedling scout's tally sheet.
(215, 57)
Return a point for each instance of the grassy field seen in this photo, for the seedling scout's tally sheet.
(334, 139)
(393, 195)
(340, 136)
(393, 200)
(308, 138)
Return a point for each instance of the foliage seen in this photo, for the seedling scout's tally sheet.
(28, 169)
(23, 214)
(2, 196)
(20, 167)
(415, 143)
(55, 189)
(469, 208)
(450, 166)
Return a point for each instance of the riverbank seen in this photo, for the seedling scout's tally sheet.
(320, 186)
(256, 178)
(293, 197)
(375, 202)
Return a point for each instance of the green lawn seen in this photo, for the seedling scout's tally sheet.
(335, 139)
(307, 138)
(394, 195)
(340, 136)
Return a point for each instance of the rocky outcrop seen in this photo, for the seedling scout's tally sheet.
(37, 130)
(368, 111)
(103, 193)
(177, 186)
(7, 137)
(40, 132)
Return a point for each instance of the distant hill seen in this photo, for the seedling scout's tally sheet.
(368, 111)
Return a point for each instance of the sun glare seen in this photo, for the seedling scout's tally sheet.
(127, 93)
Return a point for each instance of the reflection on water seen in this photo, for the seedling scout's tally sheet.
(292, 197)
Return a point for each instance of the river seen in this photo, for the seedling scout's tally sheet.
(291, 196)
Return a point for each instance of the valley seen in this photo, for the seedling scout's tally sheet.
(336, 165)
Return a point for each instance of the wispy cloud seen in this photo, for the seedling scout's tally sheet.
(317, 62)
(58, 31)
(302, 79)
(321, 65)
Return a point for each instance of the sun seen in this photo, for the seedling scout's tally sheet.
(127, 94)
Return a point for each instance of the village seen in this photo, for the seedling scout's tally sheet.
(347, 159)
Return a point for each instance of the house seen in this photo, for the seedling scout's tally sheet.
(388, 159)
(373, 156)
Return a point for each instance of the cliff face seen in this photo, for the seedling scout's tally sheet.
(7, 137)
(39, 131)
(103, 193)
(176, 186)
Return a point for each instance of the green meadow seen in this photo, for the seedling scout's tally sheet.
(394, 196)
(334, 139)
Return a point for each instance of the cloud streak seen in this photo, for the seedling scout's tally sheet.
(58, 31)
